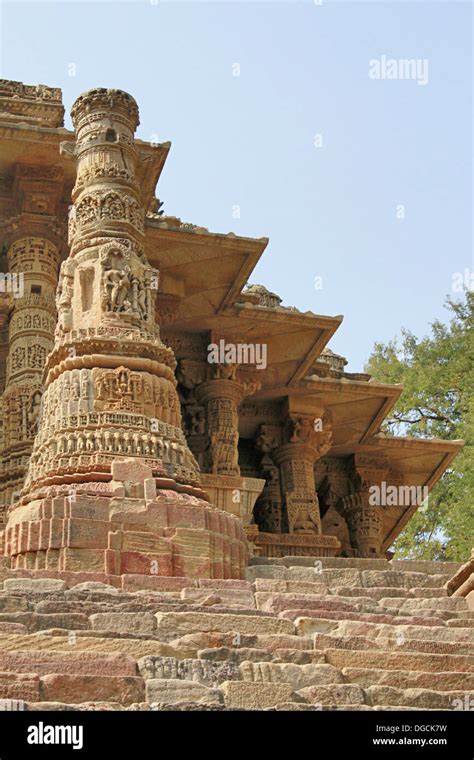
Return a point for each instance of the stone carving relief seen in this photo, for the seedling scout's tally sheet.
(126, 285)
(222, 419)
(268, 510)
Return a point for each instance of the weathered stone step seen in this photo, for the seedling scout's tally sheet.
(237, 654)
(11, 603)
(39, 622)
(254, 654)
(34, 585)
(420, 698)
(345, 658)
(231, 596)
(325, 562)
(308, 626)
(408, 679)
(123, 621)
(346, 576)
(270, 602)
(136, 648)
(430, 567)
(171, 625)
(271, 585)
(206, 672)
(70, 662)
(297, 676)
(173, 692)
(21, 687)
(375, 593)
(442, 603)
(80, 707)
(323, 641)
(340, 694)
(67, 688)
(461, 622)
(302, 618)
(257, 696)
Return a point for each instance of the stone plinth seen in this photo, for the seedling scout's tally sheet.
(295, 545)
(127, 526)
(233, 494)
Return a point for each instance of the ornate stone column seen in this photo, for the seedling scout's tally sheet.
(294, 447)
(304, 442)
(35, 244)
(364, 517)
(221, 396)
(269, 507)
(112, 487)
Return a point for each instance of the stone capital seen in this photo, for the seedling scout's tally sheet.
(220, 388)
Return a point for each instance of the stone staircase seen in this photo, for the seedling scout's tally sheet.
(298, 634)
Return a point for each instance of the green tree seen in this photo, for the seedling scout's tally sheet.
(437, 373)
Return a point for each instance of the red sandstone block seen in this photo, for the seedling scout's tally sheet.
(194, 567)
(363, 617)
(58, 507)
(183, 515)
(34, 535)
(149, 489)
(224, 584)
(56, 533)
(156, 583)
(47, 508)
(231, 527)
(112, 561)
(146, 564)
(91, 534)
(157, 514)
(73, 578)
(23, 540)
(145, 542)
(115, 539)
(88, 507)
(52, 559)
(131, 471)
(13, 628)
(40, 541)
(77, 560)
(74, 689)
(68, 662)
(213, 522)
(25, 687)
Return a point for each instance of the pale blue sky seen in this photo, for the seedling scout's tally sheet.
(248, 140)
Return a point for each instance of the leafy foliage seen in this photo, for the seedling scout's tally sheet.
(437, 373)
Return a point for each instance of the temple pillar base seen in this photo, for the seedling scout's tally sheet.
(296, 545)
(126, 527)
(233, 494)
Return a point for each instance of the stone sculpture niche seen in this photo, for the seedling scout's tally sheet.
(125, 284)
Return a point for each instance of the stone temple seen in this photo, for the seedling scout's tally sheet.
(187, 471)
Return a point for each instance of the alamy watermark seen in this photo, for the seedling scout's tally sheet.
(415, 69)
(462, 281)
(385, 495)
(12, 282)
(237, 353)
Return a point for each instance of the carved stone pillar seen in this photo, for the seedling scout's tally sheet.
(190, 374)
(269, 507)
(304, 441)
(364, 518)
(35, 241)
(110, 454)
(221, 397)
